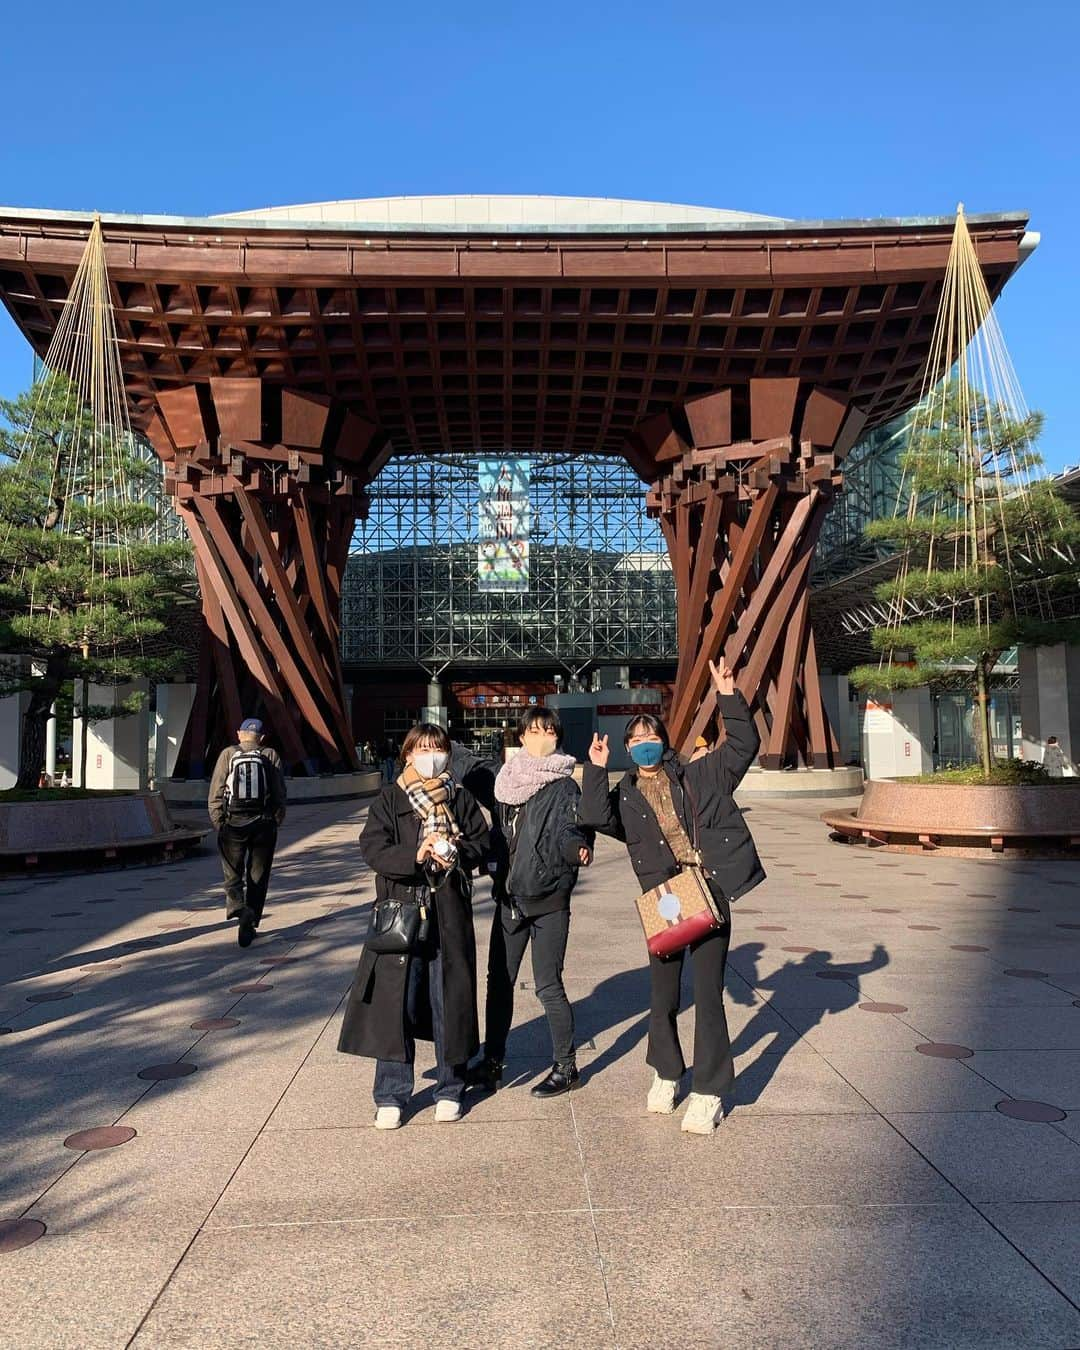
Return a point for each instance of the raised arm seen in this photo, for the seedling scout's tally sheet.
(473, 843)
(739, 750)
(599, 804)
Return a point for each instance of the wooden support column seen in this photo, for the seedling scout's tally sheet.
(740, 489)
(269, 483)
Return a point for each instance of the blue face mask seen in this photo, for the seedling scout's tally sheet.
(647, 754)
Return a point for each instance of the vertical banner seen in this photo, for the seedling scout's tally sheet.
(502, 551)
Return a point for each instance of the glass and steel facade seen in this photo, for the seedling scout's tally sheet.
(599, 584)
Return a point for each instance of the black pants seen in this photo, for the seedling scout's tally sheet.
(548, 934)
(247, 852)
(714, 1068)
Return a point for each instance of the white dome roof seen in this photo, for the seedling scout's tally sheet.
(481, 211)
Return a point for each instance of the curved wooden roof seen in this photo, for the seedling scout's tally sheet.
(511, 336)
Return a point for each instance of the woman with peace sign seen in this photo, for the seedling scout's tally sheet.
(672, 815)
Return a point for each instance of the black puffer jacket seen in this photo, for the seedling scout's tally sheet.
(702, 793)
(544, 838)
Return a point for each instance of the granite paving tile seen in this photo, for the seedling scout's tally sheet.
(811, 1160)
(847, 1277)
(495, 1281)
(990, 1157)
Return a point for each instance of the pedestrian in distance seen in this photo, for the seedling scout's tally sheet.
(672, 816)
(247, 804)
(536, 802)
(1055, 761)
(416, 979)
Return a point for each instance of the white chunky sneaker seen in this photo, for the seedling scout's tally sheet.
(388, 1118)
(661, 1098)
(446, 1111)
(703, 1113)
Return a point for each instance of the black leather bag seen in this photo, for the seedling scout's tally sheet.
(397, 926)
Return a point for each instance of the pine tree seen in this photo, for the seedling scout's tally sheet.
(83, 587)
(984, 552)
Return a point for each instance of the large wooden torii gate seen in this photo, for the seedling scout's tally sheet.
(269, 483)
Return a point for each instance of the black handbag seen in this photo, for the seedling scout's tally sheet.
(397, 926)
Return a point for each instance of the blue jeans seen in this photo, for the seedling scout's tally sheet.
(394, 1079)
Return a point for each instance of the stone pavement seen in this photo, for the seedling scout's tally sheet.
(883, 1180)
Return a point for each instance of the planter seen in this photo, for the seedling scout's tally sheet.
(91, 832)
(963, 819)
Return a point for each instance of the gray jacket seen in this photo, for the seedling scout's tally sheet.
(216, 801)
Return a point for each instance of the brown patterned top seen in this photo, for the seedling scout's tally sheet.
(656, 789)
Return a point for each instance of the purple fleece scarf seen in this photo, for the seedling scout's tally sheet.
(523, 776)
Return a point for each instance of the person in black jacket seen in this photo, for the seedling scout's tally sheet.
(536, 802)
(423, 836)
(672, 815)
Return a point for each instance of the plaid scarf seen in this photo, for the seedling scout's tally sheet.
(430, 798)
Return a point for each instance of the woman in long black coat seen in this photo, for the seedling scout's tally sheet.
(430, 993)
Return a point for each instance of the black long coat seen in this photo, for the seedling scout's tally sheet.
(374, 1024)
(702, 795)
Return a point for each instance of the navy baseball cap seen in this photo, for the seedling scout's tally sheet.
(251, 724)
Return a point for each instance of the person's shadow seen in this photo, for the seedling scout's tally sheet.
(834, 989)
(778, 1029)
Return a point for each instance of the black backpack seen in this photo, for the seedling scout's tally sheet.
(247, 785)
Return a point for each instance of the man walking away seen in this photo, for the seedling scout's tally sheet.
(247, 804)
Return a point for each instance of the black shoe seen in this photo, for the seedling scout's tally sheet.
(247, 927)
(562, 1078)
(487, 1075)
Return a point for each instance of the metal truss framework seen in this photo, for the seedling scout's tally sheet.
(600, 585)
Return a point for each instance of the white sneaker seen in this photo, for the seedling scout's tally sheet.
(388, 1118)
(661, 1098)
(703, 1113)
(446, 1111)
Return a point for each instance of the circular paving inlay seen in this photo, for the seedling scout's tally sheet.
(1019, 1109)
(51, 997)
(968, 947)
(25, 930)
(1021, 974)
(925, 927)
(66, 913)
(884, 1007)
(103, 1136)
(1020, 909)
(156, 1072)
(18, 1233)
(884, 911)
(835, 975)
(251, 988)
(944, 1050)
(770, 928)
(215, 1023)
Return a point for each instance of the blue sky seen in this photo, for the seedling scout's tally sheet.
(831, 110)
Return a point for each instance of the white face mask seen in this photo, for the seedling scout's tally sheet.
(430, 763)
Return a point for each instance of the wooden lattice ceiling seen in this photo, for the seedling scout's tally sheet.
(547, 343)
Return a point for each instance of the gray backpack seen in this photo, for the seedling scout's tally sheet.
(247, 785)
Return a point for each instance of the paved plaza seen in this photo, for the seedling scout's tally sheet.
(880, 1182)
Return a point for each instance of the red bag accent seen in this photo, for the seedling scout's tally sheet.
(682, 934)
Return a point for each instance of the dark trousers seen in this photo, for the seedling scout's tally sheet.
(247, 852)
(548, 934)
(714, 1068)
(393, 1079)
